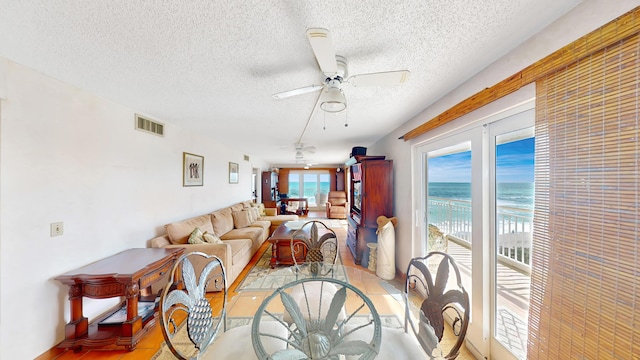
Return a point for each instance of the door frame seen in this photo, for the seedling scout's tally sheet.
(520, 121)
(479, 332)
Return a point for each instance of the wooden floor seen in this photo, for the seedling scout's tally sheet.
(150, 343)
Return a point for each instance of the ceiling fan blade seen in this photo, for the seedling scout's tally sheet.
(388, 78)
(299, 91)
(323, 49)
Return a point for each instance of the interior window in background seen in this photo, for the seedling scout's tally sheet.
(315, 186)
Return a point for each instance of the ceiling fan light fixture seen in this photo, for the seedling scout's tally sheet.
(334, 101)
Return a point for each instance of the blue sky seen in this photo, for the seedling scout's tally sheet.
(514, 163)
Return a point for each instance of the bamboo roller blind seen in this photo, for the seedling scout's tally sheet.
(585, 279)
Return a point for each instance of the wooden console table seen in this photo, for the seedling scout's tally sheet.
(130, 274)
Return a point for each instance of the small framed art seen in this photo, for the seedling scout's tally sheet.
(192, 169)
(233, 173)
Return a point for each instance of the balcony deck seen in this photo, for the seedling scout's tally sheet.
(513, 298)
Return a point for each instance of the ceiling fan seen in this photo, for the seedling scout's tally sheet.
(335, 75)
(301, 150)
(300, 154)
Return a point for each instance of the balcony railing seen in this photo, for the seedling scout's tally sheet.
(514, 225)
(313, 198)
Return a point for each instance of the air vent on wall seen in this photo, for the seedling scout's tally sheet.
(150, 126)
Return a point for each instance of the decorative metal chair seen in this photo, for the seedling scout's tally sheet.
(441, 296)
(421, 339)
(320, 255)
(183, 300)
(317, 331)
(321, 251)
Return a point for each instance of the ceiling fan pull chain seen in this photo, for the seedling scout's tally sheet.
(346, 118)
(324, 124)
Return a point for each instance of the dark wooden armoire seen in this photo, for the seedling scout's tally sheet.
(371, 189)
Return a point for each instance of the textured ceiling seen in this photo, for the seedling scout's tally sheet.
(212, 66)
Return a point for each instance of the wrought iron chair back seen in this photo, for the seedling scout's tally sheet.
(442, 294)
(321, 250)
(318, 331)
(183, 299)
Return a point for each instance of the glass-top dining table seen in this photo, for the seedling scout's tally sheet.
(385, 296)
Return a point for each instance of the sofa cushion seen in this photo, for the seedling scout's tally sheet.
(246, 204)
(239, 250)
(159, 241)
(279, 219)
(222, 221)
(253, 233)
(179, 232)
(241, 219)
(265, 226)
(237, 207)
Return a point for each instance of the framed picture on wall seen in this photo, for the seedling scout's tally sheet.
(233, 173)
(192, 169)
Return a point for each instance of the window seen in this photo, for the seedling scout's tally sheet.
(313, 185)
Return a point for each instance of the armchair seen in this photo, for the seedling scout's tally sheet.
(337, 205)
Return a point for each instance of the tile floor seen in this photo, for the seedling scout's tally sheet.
(245, 304)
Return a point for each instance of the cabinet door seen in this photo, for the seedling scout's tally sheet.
(266, 186)
(377, 187)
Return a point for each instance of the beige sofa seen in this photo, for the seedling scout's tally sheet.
(242, 227)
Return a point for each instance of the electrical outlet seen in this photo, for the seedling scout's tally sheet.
(57, 228)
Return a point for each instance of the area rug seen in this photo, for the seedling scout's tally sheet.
(181, 337)
(263, 278)
(334, 224)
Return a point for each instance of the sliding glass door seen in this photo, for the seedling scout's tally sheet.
(476, 203)
(451, 174)
(448, 219)
(512, 163)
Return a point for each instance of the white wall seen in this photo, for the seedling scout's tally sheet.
(586, 17)
(67, 155)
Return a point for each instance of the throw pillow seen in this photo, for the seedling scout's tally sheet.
(241, 219)
(196, 237)
(255, 212)
(211, 238)
(252, 217)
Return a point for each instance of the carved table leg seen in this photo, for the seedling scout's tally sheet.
(79, 325)
(274, 254)
(134, 321)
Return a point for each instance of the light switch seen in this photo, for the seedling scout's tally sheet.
(57, 229)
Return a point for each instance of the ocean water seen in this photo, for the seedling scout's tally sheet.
(451, 212)
(310, 189)
(517, 195)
